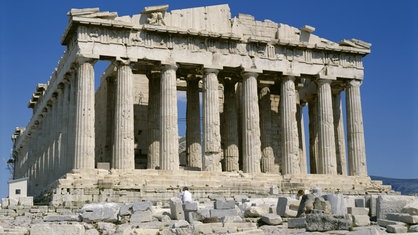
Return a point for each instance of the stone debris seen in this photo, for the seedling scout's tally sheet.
(212, 216)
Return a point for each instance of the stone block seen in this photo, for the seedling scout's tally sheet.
(142, 206)
(53, 229)
(391, 204)
(13, 202)
(190, 206)
(349, 200)
(285, 207)
(106, 212)
(26, 201)
(4, 203)
(181, 224)
(395, 228)
(413, 228)
(372, 205)
(272, 219)
(59, 218)
(361, 220)
(274, 190)
(223, 213)
(360, 202)
(394, 216)
(231, 219)
(409, 219)
(411, 208)
(256, 211)
(296, 222)
(125, 209)
(337, 203)
(358, 210)
(141, 217)
(324, 222)
(106, 228)
(103, 165)
(224, 204)
(176, 209)
(385, 222)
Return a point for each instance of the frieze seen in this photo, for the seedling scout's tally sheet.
(198, 43)
(103, 35)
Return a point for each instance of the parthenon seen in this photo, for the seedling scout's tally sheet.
(247, 133)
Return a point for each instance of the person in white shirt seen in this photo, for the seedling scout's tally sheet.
(186, 196)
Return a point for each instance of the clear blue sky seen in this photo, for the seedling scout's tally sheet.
(30, 48)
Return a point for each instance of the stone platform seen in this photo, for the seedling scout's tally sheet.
(97, 185)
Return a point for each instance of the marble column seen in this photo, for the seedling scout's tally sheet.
(169, 145)
(251, 143)
(123, 156)
(212, 152)
(289, 128)
(71, 123)
(326, 161)
(313, 135)
(301, 136)
(154, 105)
(231, 151)
(84, 115)
(193, 146)
(355, 131)
(339, 133)
(66, 163)
(267, 157)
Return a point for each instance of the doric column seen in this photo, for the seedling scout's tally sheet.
(251, 144)
(290, 141)
(267, 157)
(211, 123)
(301, 136)
(154, 106)
(313, 135)
(71, 122)
(123, 156)
(67, 121)
(84, 115)
(339, 133)
(355, 132)
(326, 160)
(64, 129)
(169, 145)
(231, 151)
(193, 146)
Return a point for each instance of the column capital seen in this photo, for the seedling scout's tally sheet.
(122, 61)
(212, 69)
(322, 81)
(81, 59)
(247, 74)
(250, 72)
(169, 66)
(353, 82)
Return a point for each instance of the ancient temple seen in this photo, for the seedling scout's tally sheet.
(255, 79)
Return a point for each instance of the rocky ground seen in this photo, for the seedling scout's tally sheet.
(328, 214)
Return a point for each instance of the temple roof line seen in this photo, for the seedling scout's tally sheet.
(212, 21)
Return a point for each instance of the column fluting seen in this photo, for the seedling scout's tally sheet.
(289, 145)
(251, 143)
(84, 115)
(355, 130)
(123, 156)
(169, 145)
(327, 159)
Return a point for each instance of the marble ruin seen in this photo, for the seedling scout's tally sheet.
(120, 141)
